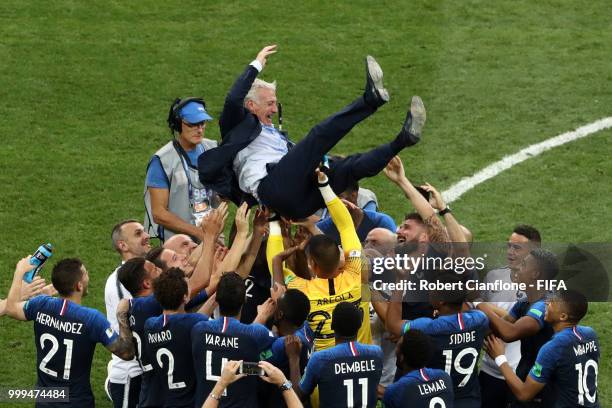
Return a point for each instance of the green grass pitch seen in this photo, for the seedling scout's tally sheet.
(85, 88)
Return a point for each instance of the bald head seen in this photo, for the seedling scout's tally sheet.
(181, 244)
(382, 240)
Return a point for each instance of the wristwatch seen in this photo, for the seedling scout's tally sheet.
(287, 385)
(445, 211)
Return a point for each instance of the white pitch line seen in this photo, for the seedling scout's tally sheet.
(455, 191)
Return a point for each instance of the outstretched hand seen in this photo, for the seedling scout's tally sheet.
(262, 57)
(436, 200)
(395, 170)
(242, 218)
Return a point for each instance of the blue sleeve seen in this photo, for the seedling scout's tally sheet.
(156, 177)
(326, 226)
(263, 337)
(423, 324)
(371, 206)
(384, 221)
(310, 379)
(537, 311)
(197, 300)
(545, 363)
(277, 355)
(100, 329)
(32, 306)
(392, 395)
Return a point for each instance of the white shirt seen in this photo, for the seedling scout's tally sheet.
(379, 337)
(119, 370)
(501, 299)
(250, 163)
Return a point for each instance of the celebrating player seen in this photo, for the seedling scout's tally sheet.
(348, 373)
(167, 338)
(568, 363)
(223, 339)
(65, 332)
(419, 387)
(458, 335)
(333, 283)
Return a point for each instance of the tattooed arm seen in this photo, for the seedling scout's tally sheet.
(123, 347)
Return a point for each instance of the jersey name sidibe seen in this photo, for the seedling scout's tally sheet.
(67, 327)
(459, 338)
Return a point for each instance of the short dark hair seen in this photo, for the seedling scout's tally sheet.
(295, 306)
(231, 293)
(352, 186)
(170, 288)
(414, 216)
(346, 320)
(154, 256)
(416, 348)
(547, 262)
(450, 297)
(116, 234)
(131, 275)
(575, 304)
(324, 252)
(528, 232)
(66, 274)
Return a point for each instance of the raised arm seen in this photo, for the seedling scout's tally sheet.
(260, 224)
(339, 214)
(455, 230)
(211, 227)
(233, 108)
(123, 346)
(14, 304)
(274, 247)
(395, 172)
(232, 259)
(394, 323)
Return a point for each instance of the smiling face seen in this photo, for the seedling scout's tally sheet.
(518, 248)
(264, 105)
(410, 231)
(171, 259)
(134, 240)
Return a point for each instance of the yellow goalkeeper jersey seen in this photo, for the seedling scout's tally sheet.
(325, 294)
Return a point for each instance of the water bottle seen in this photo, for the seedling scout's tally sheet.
(39, 258)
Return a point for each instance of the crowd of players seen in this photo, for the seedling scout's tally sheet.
(286, 315)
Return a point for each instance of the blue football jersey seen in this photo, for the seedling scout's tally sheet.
(151, 389)
(169, 344)
(66, 334)
(569, 364)
(530, 346)
(216, 341)
(422, 388)
(347, 375)
(458, 338)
